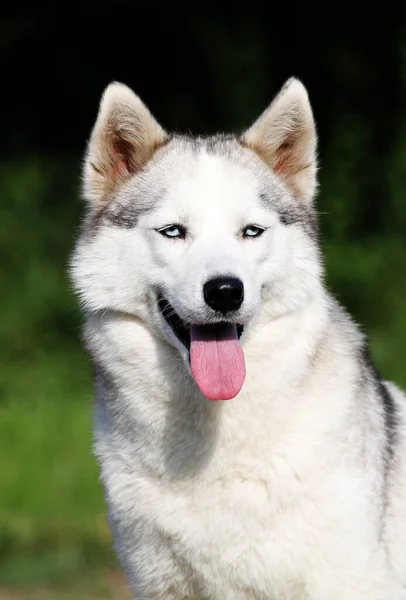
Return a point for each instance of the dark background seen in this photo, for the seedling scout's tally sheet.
(200, 67)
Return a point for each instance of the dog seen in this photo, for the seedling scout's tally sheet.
(248, 447)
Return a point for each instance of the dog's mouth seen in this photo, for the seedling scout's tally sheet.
(182, 330)
(179, 327)
(216, 357)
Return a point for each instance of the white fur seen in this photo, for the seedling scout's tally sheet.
(276, 494)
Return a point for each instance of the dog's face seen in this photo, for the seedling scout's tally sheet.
(200, 238)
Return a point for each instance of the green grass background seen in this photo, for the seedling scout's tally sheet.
(52, 518)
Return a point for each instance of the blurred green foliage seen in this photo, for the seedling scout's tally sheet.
(51, 511)
(52, 516)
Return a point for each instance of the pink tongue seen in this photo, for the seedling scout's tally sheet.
(217, 361)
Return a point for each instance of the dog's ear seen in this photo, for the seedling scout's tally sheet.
(123, 140)
(285, 137)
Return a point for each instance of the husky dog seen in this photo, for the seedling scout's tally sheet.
(249, 449)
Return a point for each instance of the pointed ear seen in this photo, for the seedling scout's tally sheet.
(123, 140)
(285, 137)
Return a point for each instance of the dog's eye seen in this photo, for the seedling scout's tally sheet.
(252, 231)
(173, 231)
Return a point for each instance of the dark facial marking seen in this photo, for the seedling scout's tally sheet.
(120, 214)
(294, 212)
(219, 144)
(127, 214)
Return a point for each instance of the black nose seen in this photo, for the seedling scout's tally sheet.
(224, 294)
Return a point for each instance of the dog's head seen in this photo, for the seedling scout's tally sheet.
(200, 238)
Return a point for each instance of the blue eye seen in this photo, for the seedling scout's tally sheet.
(173, 231)
(252, 231)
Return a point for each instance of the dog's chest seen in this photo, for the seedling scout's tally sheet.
(237, 530)
(238, 516)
